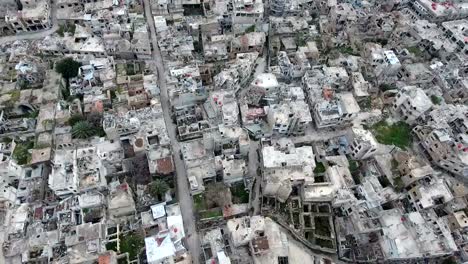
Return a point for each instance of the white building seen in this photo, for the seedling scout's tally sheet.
(339, 111)
(233, 170)
(432, 38)
(444, 138)
(456, 32)
(284, 165)
(364, 144)
(383, 63)
(64, 179)
(289, 118)
(411, 102)
(35, 15)
(429, 195)
(420, 238)
(247, 11)
(439, 11)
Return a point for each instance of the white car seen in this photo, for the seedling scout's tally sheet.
(193, 183)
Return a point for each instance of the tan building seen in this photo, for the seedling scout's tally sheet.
(34, 15)
(458, 220)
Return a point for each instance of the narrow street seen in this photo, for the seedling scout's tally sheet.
(253, 167)
(183, 191)
(314, 135)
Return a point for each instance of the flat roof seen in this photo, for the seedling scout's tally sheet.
(158, 210)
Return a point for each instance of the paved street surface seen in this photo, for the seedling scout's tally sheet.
(35, 35)
(314, 135)
(253, 166)
(185, 200)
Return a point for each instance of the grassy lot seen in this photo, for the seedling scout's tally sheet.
(319, 168)
(112, 246)
(199, 202)
(365, 104)
(21, 152)
(131, 243)
(398, 134)
(415, 50)
(324, 243)
(353, 165)
(348, 50)
(239, 194)
(322, 226)
(211, 213)
(436, 99)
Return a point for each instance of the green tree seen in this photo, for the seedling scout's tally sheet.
(75, 119)
(132, 244)
(68, 68)
(436, 99)
(21, 152)
(82, 129)
(158, 188)
(250, 29)
(449, 260)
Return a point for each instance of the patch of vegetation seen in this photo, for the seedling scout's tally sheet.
(120, 89)
(41, 146)
(68, 68)
(398, 184)
(113, 95)
(415, 50)
(47, 123)
(353, 166)
(239, 193)
(33, 114)
(199, 202)
(112, 246)
(14, 96)
(366, 103)
(21, 152)
(398, 134)
(6, 140)
(216, 195)
(386, 87)
(250, 29)
(324, 243)
(70, 28)
(61, 30)
(197, 46)
(354, 169)
(318, 179)
(348, 50)
(66, 93)
(394, 165)
(322, 226)
(301, 39)
(449, 260)
(23, 84)
(319, 168)
(211, 213)
(83, 130)
(87, 127)
(130, 69)
(132, 243)
(75, 119)
(381, 41)
(158, 188)
(436, 99)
